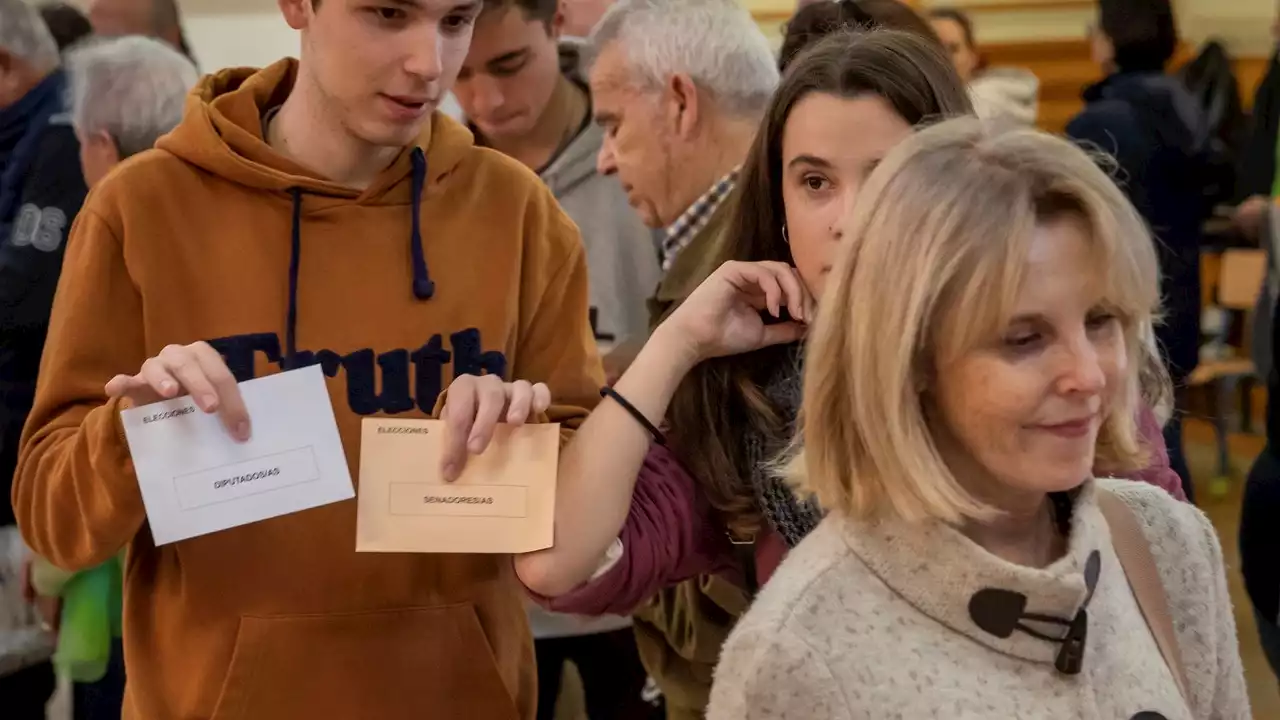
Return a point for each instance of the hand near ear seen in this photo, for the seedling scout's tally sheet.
(742, 307)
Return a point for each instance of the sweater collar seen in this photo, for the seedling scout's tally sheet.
(949, 578)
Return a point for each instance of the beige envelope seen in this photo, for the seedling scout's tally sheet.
(503, 503)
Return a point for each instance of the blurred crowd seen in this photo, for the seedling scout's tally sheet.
(871, 390)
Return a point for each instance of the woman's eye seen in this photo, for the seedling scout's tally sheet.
(1022, 341)
(1100, 320)
(816, 183)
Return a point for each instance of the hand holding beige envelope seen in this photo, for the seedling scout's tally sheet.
(504, 501)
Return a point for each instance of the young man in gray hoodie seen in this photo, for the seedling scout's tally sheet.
(522, 92)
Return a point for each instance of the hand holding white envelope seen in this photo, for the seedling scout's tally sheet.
(196, 370)
(197, 479)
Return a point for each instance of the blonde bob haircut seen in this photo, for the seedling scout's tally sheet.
(934, 254)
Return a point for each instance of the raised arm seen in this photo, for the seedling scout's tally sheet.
(598, 469)
(670, 535)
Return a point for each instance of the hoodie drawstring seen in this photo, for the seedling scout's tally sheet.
(423, 288)
(295, 259)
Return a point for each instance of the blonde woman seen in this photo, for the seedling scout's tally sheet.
(967, 567)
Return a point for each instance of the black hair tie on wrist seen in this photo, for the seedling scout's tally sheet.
(608, 392)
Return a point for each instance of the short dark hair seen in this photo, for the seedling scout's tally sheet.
(819, 20)
(960, 18)
(1143, 33)
(67, 24)
(544, 11)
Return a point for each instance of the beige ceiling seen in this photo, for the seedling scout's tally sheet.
(216, 7)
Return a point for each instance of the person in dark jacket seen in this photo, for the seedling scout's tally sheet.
(1257, 181)
(1157, 133)
(1259, 533)
(41, 189)
(68, 25)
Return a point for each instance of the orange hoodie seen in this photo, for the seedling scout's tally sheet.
(216, 237)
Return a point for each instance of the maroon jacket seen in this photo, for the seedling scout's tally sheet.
(672, 534)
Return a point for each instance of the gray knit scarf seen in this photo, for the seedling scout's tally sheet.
(791, 516)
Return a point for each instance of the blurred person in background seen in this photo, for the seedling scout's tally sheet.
(153, 18)
(68, 25)
(678, 87)
(41, 190)
(1258, 181)
(1011, 93)
(523, 93)
(580, 16)
(1158, 134)
(819, 19)
(1259, 533)
(125, 93)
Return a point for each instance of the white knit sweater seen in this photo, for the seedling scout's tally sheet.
(873, 621)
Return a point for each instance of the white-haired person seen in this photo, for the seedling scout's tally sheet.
(970, 564)
(125, 93)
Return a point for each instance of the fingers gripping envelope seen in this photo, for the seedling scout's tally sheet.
(196, 479)
(504, 501)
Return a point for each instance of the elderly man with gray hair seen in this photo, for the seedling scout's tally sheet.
(40, 193)
(125, 93)
(679, 87)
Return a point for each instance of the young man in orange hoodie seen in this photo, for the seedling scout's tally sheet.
(314, 212)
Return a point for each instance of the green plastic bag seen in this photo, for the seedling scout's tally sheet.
(90, 619)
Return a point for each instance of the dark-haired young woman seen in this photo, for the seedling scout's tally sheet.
(727, 381)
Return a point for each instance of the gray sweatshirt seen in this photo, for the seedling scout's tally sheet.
(622, 256)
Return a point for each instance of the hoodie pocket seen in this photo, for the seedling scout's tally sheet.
(413, 663)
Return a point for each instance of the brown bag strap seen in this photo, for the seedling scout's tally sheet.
(1134, 551)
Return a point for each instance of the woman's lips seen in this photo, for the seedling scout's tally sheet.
(1071, 428)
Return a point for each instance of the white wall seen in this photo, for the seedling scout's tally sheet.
(253, 39)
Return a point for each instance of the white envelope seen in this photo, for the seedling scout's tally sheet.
(196, 479)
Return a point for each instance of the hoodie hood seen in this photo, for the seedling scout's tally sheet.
(1165, 105)
(576, 163)
(1010, 93)
(221, 132)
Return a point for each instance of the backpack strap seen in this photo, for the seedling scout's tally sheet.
(1139, 566)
